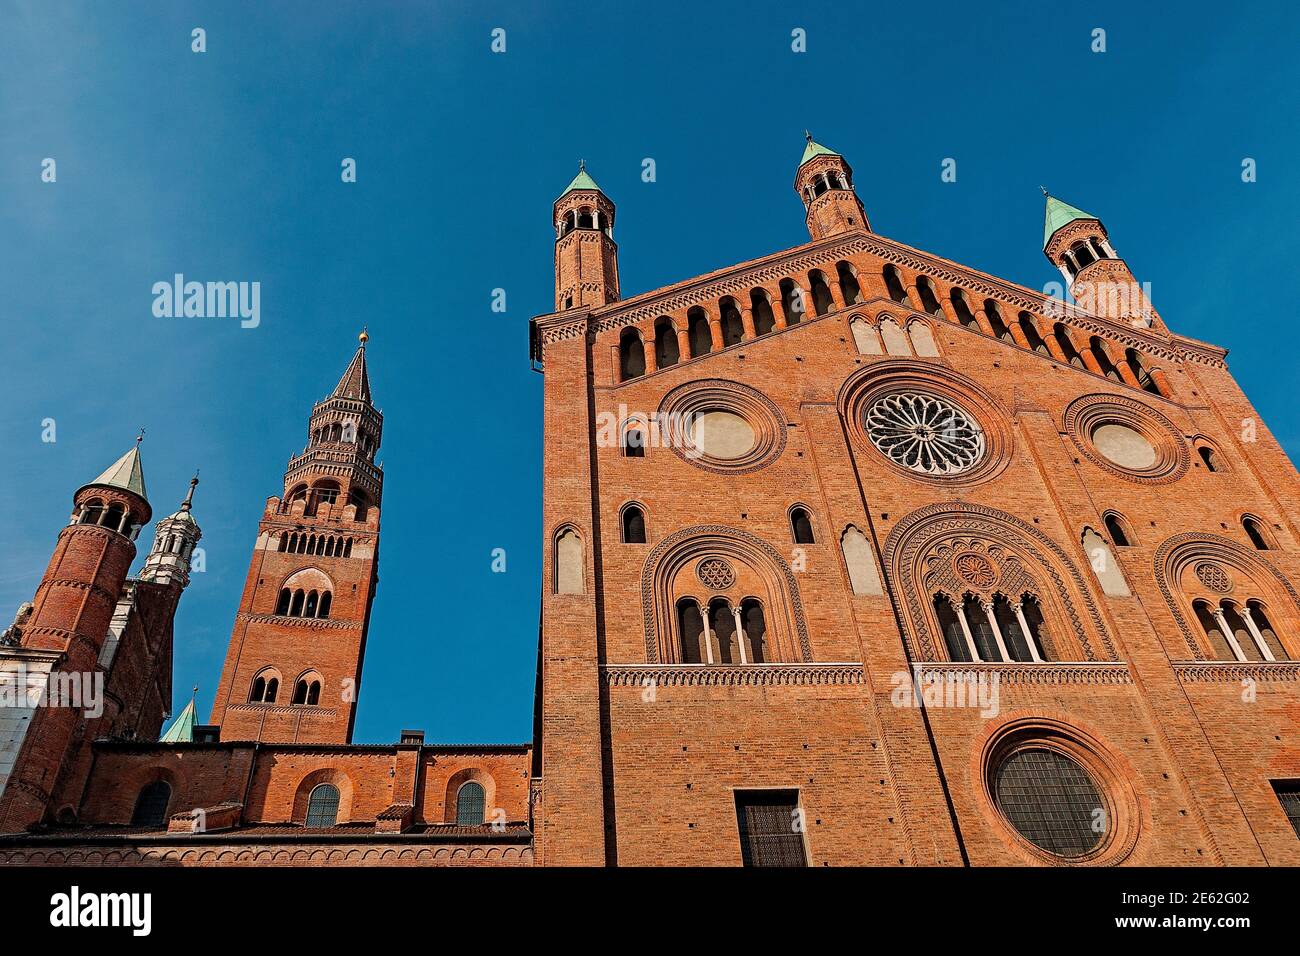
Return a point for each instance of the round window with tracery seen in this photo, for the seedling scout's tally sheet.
(716, 574)
(925, 433)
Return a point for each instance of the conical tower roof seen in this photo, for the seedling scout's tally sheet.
(581, 181)
(355, 382)
(125, 473)
(182, 729)
(1060, 214)
(814, 149)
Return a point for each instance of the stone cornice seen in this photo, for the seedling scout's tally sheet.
(1052, 672)
(315, 623)
(1207, 672)
(724, 675)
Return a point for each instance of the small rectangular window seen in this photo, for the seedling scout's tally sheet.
(1288, 793)
(771, 828)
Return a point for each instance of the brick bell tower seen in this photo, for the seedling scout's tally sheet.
(63, 638)
(824, 181)
(293, 669)
(586, 256)
(1100, 281)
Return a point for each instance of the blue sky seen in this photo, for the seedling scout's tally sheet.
(226, 166)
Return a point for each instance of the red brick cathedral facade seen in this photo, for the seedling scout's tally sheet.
(852, 555)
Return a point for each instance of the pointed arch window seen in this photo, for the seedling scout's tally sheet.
(1255, 532)
(954, 635)
(722, 625)
(569, 562)
(471, 803)
(1215, 632)
(266, 687)
(1118, 529)
(690, 628)
(801, 526)
(306, 692)
(633, 525)
(326, 599)
(754, 626)
(980, 628)
(282, 605)
(1208, 457)
(295, 606)
(323, 806)
(633, 442)
(1258, 616)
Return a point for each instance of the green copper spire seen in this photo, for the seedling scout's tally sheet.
(582, 180)
(1059, 214)
(814, 149)
(182, 729)
(126, 472)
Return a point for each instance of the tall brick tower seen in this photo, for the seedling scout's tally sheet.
(586, 256)
(824, 181)
(63, 641)
(293, 669)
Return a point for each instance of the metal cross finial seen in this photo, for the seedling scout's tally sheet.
(1045, 192)
(140, 437)
(807, 135)
(582, 165)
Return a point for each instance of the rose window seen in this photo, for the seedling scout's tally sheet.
(716, 574)
(924, 433)
(1214, 577)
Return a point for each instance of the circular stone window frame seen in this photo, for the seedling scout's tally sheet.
(1110, 774)
(1086, 414)
(688, 402)
(861, 391)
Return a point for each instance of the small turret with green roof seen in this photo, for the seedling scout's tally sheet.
(581, 181)
(824, 182)
(1060, 214)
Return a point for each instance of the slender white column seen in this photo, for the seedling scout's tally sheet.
(1029, 635)
(1227, 633)
(1255, 634)
(708, 635)
(997, 632)
(965, 629)
(740, 636)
